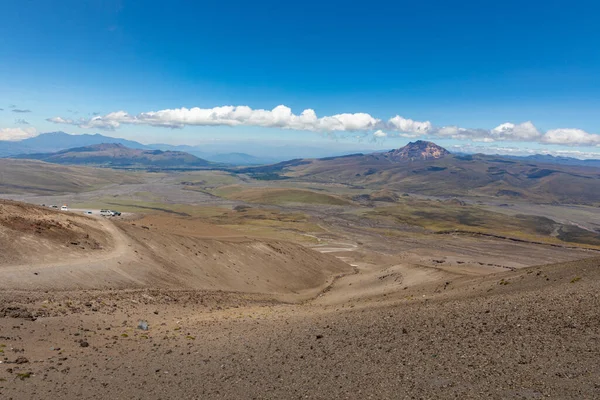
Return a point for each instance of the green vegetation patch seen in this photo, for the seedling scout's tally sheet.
(282, 196)
(438, 216)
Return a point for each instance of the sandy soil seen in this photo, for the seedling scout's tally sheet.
(160, 252)
(231, 316)
(535, 337)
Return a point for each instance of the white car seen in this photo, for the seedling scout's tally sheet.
(64, 208)
(106, 213)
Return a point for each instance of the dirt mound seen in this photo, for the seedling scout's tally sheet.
(30, 234)
(190, 253)
(46, 249)
(384, 195)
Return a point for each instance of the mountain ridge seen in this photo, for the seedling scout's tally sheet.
(56, 141)
(118, 155)
(427, 169)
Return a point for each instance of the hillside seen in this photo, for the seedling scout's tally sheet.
(280, 196)
(425, 168)
(395, 327)
(117, 155)
(51, 249)
(30, 233)
(30, 176)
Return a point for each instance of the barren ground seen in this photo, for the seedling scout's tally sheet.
(285, 301)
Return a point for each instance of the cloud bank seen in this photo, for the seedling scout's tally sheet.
(520, 151)
(14, 134)
(279, 117)
(282, 117)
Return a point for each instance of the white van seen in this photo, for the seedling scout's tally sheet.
(106, 213)
(64, 208)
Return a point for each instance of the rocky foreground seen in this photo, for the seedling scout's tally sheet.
(527, 334)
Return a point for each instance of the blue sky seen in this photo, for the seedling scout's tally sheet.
(463, 67)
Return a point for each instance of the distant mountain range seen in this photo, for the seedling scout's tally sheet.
(225, 153)
(56, 141)
(419, 167)
(117, 155)
(550, 159)
(218, 152)
(426, 168)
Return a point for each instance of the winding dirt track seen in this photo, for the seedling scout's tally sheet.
(117, 249)
(85, 271)
(159, 252)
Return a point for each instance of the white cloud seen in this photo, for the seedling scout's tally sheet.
(406, 125)
(571, 137)
(100, 123)
(282, 117)
(13, 134)
(61, 120)
(380, 134)
(525, 131)
(279, 117)
(523, 151)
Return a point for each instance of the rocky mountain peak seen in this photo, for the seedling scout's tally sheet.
(419, 150)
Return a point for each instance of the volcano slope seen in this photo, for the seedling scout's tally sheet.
(215, 332)
(52, 250)
(526, 334)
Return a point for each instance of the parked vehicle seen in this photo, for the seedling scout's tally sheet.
(116, 213)
(106, 213)
(87, 212)
(64, 208)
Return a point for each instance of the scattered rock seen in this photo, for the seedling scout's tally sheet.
(16, 312)
(143, 325)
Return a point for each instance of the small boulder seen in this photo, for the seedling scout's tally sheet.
(143, 325)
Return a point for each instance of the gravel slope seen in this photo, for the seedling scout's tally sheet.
(526, 334)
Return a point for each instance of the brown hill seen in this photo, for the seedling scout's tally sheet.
(117, 155)
(43, 248)
(30, 176)
(40, 235)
